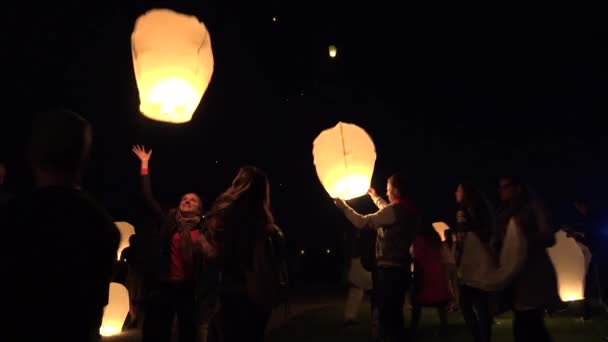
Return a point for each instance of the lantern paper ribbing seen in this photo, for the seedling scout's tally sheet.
(115, 313)
(569, 262)
(126, 230)
(344, 157)
(173, 64)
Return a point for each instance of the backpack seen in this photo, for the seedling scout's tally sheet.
(267, 282)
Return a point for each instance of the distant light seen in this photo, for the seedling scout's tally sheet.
(333, 51)
(217, 161)
(302, 93)
(328, 251)
(274, 19)
(302, 252)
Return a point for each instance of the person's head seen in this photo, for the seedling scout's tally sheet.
(251, 186)
(468, 194)
(509, 188)
(59, 147)
(190, 205)
(2, 173)
(396, 187)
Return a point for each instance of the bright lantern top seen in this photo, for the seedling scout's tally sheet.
(344, 158)
(173, 64)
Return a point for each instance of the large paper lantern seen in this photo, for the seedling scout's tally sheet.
(440, 228)
(115, 313)
(126, 230)
(569, 262)
(173, 64)
(344, 157)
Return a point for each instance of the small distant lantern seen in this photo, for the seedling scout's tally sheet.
(344, 158)
(115, 313)
(570, 265)
(126, 230)
(333, 51)
(173, 64)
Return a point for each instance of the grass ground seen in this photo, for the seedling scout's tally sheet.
(325, 324)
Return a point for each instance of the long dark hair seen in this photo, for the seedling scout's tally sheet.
(241, 215)
(480, 210)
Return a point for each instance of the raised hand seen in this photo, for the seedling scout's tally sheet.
(140, 152)
(372, 192)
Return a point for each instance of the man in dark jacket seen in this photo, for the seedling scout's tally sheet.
(60, 244)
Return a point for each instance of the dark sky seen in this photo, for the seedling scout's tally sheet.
(446, 89)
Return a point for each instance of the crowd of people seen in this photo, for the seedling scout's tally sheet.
(490, 262)
(224, 267)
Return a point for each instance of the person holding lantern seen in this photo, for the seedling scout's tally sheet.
(396, 224)
(183, 248)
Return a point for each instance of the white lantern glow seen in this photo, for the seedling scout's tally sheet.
(569, 262)
(115, 313)
(344, 157)
(173, 64)
(333, 51)
(440, 228)
(126, 230)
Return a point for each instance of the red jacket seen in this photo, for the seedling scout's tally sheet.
(431, 287)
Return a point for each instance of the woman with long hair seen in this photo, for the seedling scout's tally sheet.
(172, 285)
(251, 255)
(474, 227)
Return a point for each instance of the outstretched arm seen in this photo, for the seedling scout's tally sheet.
(378, 201)
(144, 157)
(383, 217)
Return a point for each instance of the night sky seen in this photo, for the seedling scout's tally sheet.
(447, 90)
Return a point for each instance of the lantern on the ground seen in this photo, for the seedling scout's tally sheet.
(569, 262)
(344, 158)
(333, 51)
(440, 228)
(173, 64)
(115, 313)
(126, 230)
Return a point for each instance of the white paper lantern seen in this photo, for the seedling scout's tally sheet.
(173, 64)
(115, 313)
(569, 262)
(333, 51)
(440, 228)
(126, 230)
(344, 157)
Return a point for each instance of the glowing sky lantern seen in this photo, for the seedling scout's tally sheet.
(115, 313)
(569, 262)
(173, 64)
(344, 157)
(126, 230)
(333, 51)
(440, 228)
